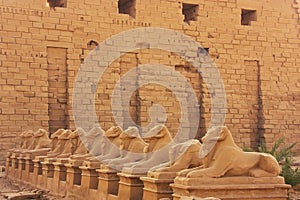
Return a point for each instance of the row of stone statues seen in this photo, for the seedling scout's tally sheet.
(120, 164)
(155, 153)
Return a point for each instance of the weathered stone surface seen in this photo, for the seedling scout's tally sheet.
(270, 188)
(222, 157)
(40, 61)
(22, 196)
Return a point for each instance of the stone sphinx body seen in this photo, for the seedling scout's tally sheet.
(70, 143)
(91, 141)
(25, 140)
(181, 156)
(41, 140)
(222, 157)
(160, 141)
(59, 139)
(40, 144)
(132, 147)
(28, 140)
(109, 151)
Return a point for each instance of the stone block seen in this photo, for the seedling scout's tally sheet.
(108, 182)
(156, 188)
(250, 188)
(130, 186)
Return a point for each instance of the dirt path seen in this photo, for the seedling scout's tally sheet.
(10, 188)
(6, 187)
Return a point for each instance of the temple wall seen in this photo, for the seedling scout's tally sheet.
(255, 45)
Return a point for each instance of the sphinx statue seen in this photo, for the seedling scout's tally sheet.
(181, 156)
(95, 143)
(159, 141)
(40, 140)
(27, 144)
(28, 140)
(224, 165)
(23, 139)
(222, 157)
(132, 148)
(80, 148)
(105, 148)
(88, 141)
(21, 144)
(71, 140)
(59, 139)
(55, 148)
(110, 144)
(40, 145)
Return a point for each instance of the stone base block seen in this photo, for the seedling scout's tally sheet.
(112, 197)
(73, 177)
(157, 188)
(27, 173)
(21, 168)
(39, 152)
(89, 178)
(59, 175)
(91, 164)
(8, 166)
(130, 186)
(37, 171)
(229, 188)
(76, 162)
(108, 182)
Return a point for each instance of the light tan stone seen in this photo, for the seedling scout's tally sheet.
(63, 144)
(131, 142)
(242, 187)
(113, 135)
(222, 157)
(89, 144)
(159, 140)
(182, 156)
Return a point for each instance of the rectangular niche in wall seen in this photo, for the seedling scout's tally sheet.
(57, 88)
(127, 7)
(57, 3)
(190, 12)
(247, 16)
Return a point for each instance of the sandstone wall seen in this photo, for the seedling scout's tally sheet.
(41, 51)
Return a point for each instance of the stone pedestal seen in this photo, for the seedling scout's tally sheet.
(158, 186)
(37, 176)
(21, 168)
(27, 173)
(130, 186)
(15, 166)
(89, 182)
(76, 162)
(89, 178)
(8, 165)
(93, 164)
(108, 182)
(73, 177)
(59, 175)
(48, 174)
(230, 188)
(73, 182)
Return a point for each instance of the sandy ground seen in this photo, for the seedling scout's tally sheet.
(10, 187)
(7, 186)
